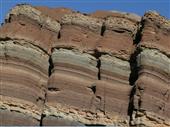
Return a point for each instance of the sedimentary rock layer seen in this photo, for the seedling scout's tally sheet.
(69, 85)
(34, 14)
(80, 35)
(61, 67)
(23, 81)
(151, 101)
(24, 67)
(113, 89)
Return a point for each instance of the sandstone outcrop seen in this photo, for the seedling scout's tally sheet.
(61, 67)
(151, 100)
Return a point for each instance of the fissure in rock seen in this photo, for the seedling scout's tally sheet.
(51, 66)
(134, 70)
(41, 120)
(103, 28)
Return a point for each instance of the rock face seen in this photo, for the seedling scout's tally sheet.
(61, 67)
(152, 97)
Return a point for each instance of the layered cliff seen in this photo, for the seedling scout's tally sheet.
(61, 67)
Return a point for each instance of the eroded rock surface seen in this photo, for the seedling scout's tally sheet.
(61, 67)
(151, 100)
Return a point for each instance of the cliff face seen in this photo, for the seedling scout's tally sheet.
(60, 67)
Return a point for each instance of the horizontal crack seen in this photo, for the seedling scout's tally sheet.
(53, 89)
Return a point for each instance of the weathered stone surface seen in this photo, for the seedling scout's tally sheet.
(117, 44)
(105, 14)
(61, 67)
(23, 82)
(151, 100)
(59, 121)
(156, 32)
(69, 85)
(91, 23)
(36, 15)
(80, 32)
(23, 29)
(54, 13)
(118, 35)
(13, 118)
(113, 89)
(114, 68)
(73, 36)
(152, 88)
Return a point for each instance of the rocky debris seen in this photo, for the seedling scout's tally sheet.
(61, 67)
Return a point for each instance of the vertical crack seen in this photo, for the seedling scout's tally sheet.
(131, 103)
(51, 66)
(138, 34)
(103, 28)
(132, 79)
(97, 55)
(134, 70)
(134, 67)
(42, 114)
(50, 69)
(41, 120)
(98, 66)
(59, 35)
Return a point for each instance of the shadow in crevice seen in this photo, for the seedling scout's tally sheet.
(5, 39)
(93, 88)
(59, 35)
(41, 120)
(133, 58)
(132, 79)
(51, 66)
(138, 35)
(98, 66)
(131, 103)
(134, 70)
(103, 29)
(134, 67)
(97, 55)
(94, 125)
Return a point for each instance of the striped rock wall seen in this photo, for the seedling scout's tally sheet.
(61, 67)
